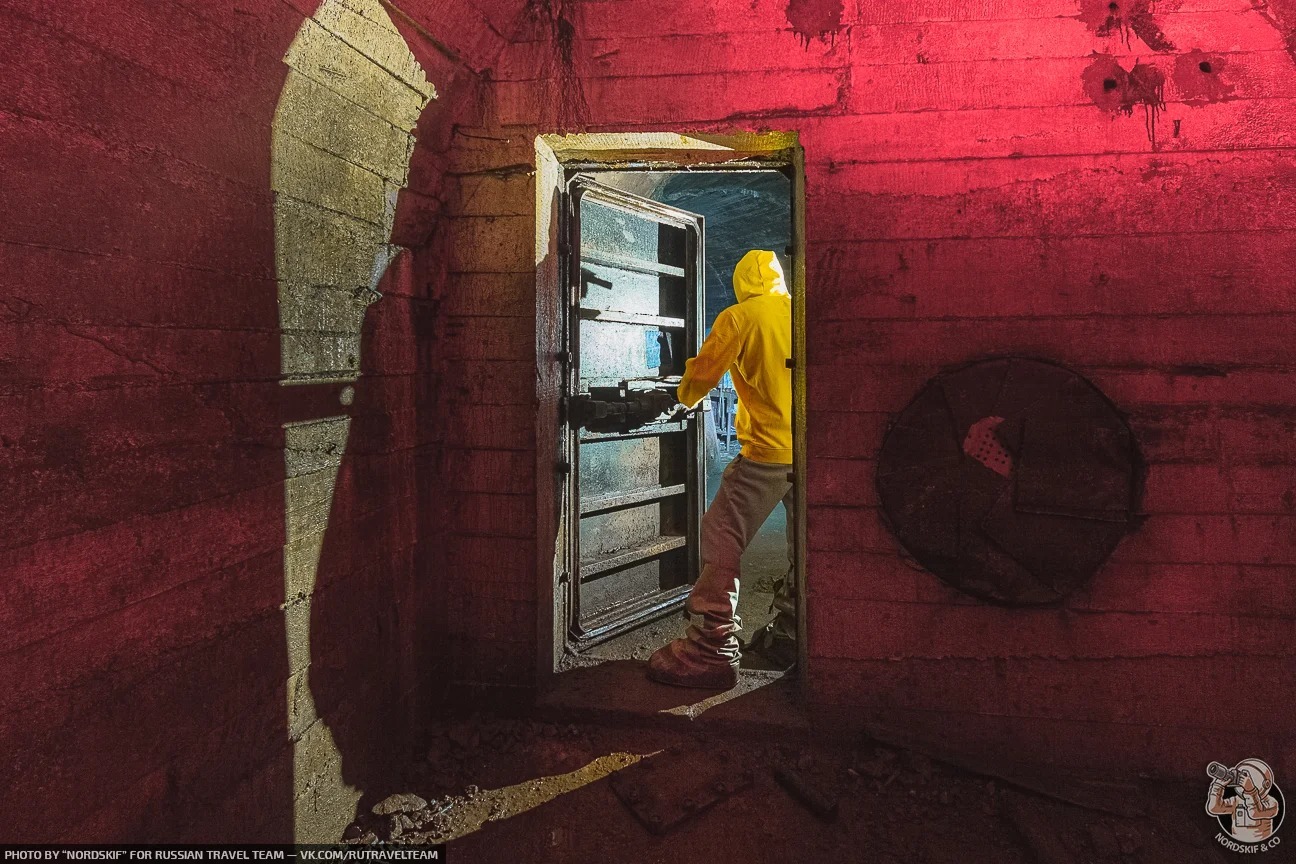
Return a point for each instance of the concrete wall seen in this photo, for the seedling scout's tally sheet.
(214, 618)
(484, 354)
(974, 187)
(215, 614)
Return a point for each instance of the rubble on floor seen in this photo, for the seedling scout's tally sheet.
(507, 788)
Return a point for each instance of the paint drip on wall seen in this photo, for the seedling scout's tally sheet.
(1114, 89)
(1126, 19)
(815, 19)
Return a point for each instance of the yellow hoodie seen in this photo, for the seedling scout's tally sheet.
(753, 340)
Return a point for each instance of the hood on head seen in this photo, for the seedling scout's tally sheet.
(757, 274)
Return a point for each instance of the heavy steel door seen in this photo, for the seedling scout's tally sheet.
(636, 493)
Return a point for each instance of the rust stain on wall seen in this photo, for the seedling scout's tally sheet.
(815, 19)
(1127, 18)
(1200, 77)
(1114, 89)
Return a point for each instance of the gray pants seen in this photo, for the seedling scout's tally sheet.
(748, 494)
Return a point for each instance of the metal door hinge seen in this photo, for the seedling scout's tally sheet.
(790, 363)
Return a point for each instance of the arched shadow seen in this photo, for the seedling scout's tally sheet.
(365, 606)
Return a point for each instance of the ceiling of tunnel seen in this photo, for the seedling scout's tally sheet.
(743, 210)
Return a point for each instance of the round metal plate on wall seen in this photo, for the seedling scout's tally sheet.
(1012, 479)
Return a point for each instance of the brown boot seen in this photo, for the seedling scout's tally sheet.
(680, 665)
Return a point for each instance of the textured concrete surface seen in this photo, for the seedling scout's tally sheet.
(196, 599)
(972, 188)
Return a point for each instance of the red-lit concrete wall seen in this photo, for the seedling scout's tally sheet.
(152, 664)
(974, 187)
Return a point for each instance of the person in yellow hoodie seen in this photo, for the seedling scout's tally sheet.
(753, 341)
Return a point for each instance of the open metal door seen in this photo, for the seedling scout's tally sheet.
(636, 494)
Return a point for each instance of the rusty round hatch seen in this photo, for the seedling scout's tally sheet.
(1011, 479)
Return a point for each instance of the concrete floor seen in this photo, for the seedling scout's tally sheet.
(542, 786)
(501, 788)
(763, 564)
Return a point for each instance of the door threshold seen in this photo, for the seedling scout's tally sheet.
(619, 691)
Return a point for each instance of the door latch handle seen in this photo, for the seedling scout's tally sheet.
(616, 409)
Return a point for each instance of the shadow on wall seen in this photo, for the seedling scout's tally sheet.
(141, 625)
(365, 606)
(340, 157)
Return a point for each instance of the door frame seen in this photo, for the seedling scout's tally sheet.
(556, 157)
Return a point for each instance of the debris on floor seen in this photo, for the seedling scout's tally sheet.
(508, 788)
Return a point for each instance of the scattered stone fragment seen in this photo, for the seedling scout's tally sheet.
(480, 786)
(400, 823)
(402, 802)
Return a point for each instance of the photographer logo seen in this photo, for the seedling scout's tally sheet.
(1248, 805)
